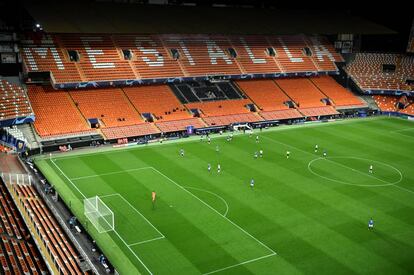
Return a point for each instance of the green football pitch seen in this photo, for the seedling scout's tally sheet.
(305, 214)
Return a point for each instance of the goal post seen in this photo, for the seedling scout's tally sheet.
(240, 127)
(99, 214)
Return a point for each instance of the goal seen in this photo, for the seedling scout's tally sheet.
(243, 127)
(99, 214)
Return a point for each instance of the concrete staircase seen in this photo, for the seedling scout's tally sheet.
(29, 133)
(370, 102)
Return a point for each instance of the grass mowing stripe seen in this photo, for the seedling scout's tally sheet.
(136, 256)
(111, 173)
(212, 193)
(276, 141)
(139, 213)
(147, 241)
(310, 222)
(246, 262)
(244, 231)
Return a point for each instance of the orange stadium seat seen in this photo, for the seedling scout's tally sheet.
(302, 91)
(142, 129)
(110, 106)
(224, 112)
(252, 54)
(202, 55)
(290, 54)
(158, 100)
(22, 260)
(230, 119)
(324, 55)
(265, 94)
(338, 94)
(281, 114)
(180, 125)
(99, 59)
(386, 103)
(14, 102)
(150, 59)
(61, 250)
(319, 111)
(102, 57)
(221, 107)
(366, 70)
(44, 54)
(56, 114)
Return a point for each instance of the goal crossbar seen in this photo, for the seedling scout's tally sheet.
(99, 214)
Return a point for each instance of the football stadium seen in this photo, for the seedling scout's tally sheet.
(205, 137)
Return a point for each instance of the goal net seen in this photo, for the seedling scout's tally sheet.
(243, 127)
(99, 214)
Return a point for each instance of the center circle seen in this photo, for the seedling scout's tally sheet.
(384, 168)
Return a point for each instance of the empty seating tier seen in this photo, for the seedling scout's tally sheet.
(230, 119)
(42, 53)
(368, 72)
(157, 100)
(265, 93)
(148, 110)
(179, 125)
(73, 58)
(302, 91)
(390, 104)
(221, 107)
(281, 114)
(110, 106)
(55, 112)
(99, 59)
(319, 111)
(17, 252)
(142, 129)
(340, 96)
(13, 101)
(64, 255)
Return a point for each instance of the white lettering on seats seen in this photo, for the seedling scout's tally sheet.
(289, 54)
(184, 48)
(215, 52)
(92, 53)
(147, 51)
(250, 53)
(321, 50)
(46, 44)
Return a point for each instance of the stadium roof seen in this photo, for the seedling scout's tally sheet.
(92, 17)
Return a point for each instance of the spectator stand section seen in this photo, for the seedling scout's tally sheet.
(18, 252)
(55, 247)
(80, 61)
(380, 73)
(152, 110)
(307, 98)
(395, 104)
(15, 106)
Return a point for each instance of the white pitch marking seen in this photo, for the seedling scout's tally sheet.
(110, 173)
(386, 183)
(206, 204)
(212, 193)
(245, 262)
(402, 188)
(132, 251)
(147, 241)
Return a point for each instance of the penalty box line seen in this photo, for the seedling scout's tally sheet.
(119, 236)
(214, 210)
(273, 253)
(139, 213)
(242, 263)
(110, 173)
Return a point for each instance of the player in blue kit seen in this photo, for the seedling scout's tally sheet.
(370, 224)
